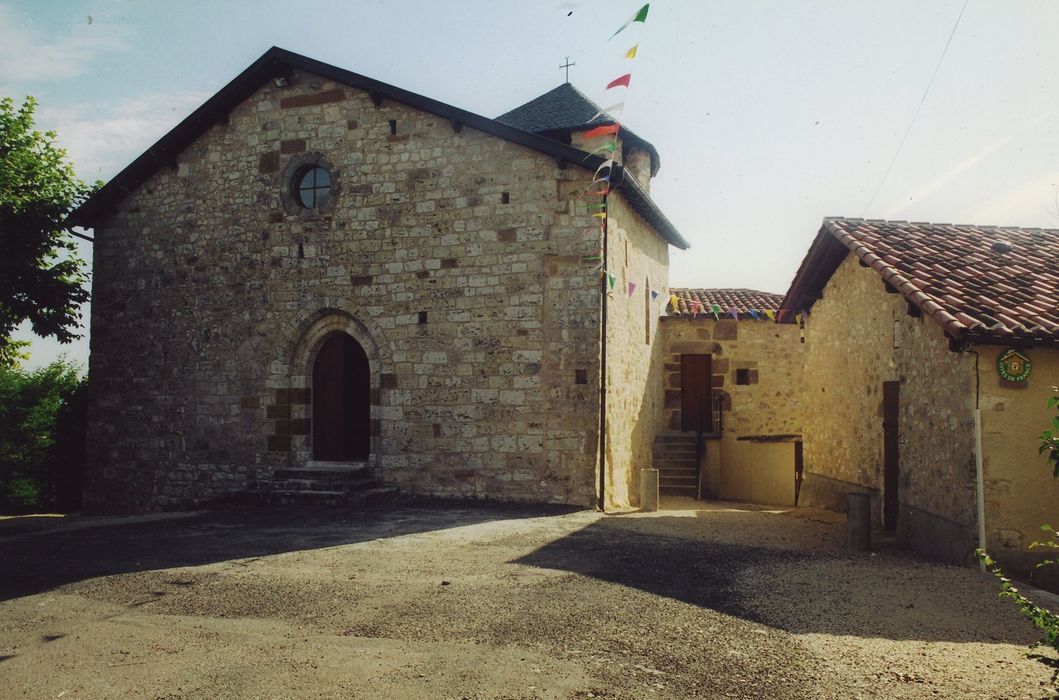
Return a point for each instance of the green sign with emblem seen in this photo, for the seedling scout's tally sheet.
(1013, 365)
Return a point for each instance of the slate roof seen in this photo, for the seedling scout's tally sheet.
(564, 109)
(742, 300)
(277, 62)
(985, 284)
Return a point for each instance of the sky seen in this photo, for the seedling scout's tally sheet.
(769, 115)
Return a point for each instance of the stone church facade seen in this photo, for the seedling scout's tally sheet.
(318, 267)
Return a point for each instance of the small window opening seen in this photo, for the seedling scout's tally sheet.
(393, 127)
(311, 186)
(505, 198)
(580, 376)
(647, 311)
(301, 251)
(422, 317)
(742, 376)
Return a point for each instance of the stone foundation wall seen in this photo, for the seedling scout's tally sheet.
(451, 256)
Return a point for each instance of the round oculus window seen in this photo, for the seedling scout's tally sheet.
(312, 185)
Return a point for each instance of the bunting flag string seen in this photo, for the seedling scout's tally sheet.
(607, 112)
(640, 16)
(632, 288)
(654, 294)
(600, 185)
(604, 130)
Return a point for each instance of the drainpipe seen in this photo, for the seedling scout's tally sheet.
(602, 505)
(979, 478)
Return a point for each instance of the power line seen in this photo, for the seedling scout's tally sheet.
(916, 113)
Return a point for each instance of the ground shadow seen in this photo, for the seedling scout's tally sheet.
(35, 562)
(796, 591)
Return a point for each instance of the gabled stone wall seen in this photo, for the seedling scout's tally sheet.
(859, 335)
(452, 256)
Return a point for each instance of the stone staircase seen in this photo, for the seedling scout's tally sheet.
(673, 455)
(324, 483)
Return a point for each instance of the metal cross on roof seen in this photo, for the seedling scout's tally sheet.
(567, 67)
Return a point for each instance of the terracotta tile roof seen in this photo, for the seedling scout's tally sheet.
(981, 283)
(744, 301)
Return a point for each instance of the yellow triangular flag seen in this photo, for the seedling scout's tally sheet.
(631, 53)
(771, 314)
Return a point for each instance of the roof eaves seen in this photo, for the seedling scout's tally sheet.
(643, 205)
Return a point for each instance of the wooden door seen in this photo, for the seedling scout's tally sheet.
(341, 401)
(891, 461)
(696, 379)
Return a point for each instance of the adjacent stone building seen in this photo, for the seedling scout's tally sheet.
(728, 361)
(316, 268)
(906, 396)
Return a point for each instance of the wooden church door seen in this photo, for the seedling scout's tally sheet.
(341, 401)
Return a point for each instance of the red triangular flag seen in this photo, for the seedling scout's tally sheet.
(623, 80)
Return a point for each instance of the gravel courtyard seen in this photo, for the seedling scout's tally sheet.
(457, 601)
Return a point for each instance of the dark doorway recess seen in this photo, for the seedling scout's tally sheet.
(891, 463)
(696, 380)
(341, 401)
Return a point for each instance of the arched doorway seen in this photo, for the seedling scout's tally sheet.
(341, 392)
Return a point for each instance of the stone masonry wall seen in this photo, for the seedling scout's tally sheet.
(634, 357)
(770, 404)
(453, 257)
(858, 336)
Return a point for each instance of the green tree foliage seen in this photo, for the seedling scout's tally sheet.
(42, 421)
(41, 277)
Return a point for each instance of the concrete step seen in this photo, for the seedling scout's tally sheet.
(324, 470)
(678, 491)
(362, 481)
(674, 462)
(372, 496)
(663, 473)
(674, 438)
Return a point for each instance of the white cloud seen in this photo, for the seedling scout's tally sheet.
(28, 53)
(101, 138)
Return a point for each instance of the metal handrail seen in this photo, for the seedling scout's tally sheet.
(716, 418)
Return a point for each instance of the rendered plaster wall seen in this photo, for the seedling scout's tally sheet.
(1020, 493)
(452, 257)
(857, 337)
(639, 256)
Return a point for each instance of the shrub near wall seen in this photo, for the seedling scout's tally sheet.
(42, 425)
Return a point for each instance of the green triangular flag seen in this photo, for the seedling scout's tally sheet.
(611, 279)
(640, 16)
